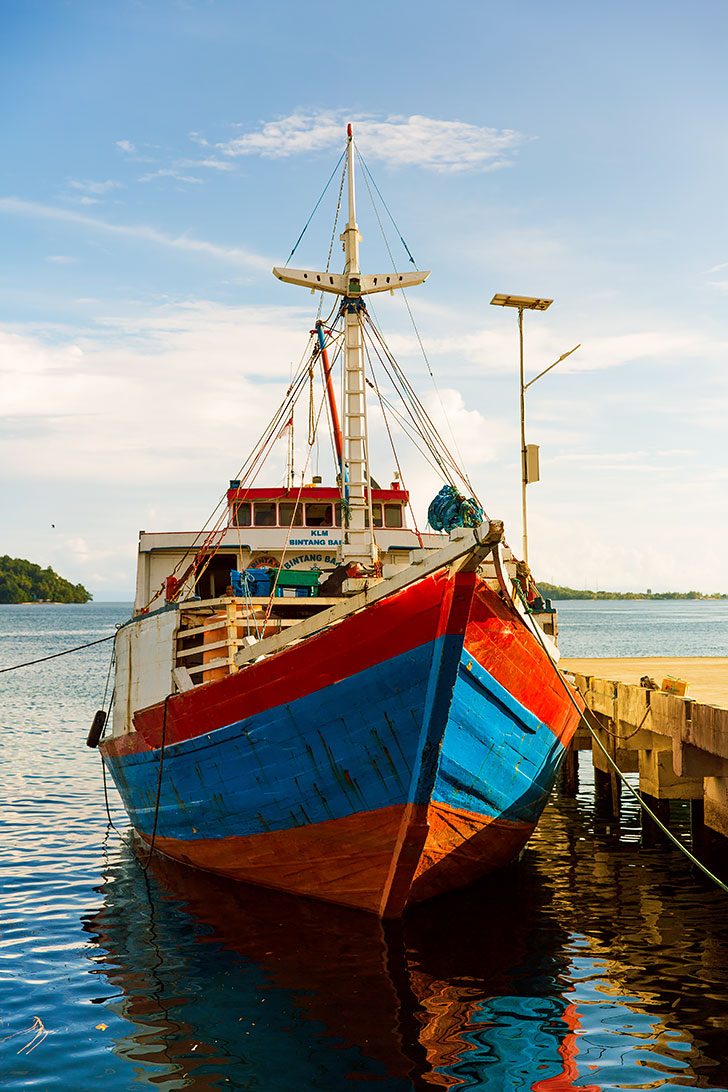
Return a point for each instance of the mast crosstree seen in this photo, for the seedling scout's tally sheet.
(359, 545)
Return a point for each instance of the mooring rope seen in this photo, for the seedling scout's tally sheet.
(637, 795)
(55, 655)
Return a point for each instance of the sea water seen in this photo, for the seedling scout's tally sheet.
(591, 964)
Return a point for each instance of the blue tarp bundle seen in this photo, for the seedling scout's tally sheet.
(451, 509)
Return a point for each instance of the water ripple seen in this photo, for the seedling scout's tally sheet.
(593, 964)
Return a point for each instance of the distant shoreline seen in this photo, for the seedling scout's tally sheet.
(562, 593)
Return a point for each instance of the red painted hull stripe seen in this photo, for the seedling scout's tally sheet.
(385, 629)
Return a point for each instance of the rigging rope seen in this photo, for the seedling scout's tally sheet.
(375, 385)
(55, 655)
(421, 420)
(246, 474)
(637, 795)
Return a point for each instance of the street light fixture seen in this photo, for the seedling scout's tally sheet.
(529, 458)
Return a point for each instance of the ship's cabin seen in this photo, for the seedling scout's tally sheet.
(296, 529)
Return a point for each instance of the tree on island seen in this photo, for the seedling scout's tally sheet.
(558, 591)
(23, 582)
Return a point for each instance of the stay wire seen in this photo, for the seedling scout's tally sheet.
(315, 208)
(425, 357)
(635, 793)
(332, 241)
(366, 170)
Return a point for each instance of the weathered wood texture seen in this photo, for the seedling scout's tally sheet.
(678, 745)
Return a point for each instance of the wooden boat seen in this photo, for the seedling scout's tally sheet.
(318, 698)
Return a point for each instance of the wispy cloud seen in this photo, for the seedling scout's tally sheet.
(171, 172)
(86, 185)
(435, 144)
(235, 255)
(209, 164)
(126, 146)
(60, 259)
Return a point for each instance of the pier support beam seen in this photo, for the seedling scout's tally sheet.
(651, 833)
(569, 780)
(607, 794)
(716, 804)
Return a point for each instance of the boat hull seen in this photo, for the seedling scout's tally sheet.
(404, 751)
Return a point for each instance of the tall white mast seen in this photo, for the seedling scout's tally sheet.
(359, 544)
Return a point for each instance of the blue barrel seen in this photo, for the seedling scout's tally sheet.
(257, 582)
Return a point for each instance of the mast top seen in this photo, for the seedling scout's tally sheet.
(351, 284)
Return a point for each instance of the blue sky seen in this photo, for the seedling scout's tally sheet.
(159, 157)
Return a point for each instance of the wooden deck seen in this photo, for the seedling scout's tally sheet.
(706, 676)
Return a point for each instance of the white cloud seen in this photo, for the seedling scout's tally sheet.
(126, 146)
(60, 259)
(210, 164)
(415, 140)
(234, 255)
(494, 350)
(88, 186)
(175, 391)
(161, 407)
(171, 172)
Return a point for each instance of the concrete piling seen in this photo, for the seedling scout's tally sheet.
(677, 744)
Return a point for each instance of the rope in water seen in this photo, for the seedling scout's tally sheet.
(55, 655)
(637, 795)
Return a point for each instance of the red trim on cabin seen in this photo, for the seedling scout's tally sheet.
(311, 493)
(388, 628)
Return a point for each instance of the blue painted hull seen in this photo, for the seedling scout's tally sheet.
(415, 774)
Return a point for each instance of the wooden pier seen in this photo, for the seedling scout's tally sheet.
(678, 745)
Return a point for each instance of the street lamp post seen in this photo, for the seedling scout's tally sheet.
(526, 303)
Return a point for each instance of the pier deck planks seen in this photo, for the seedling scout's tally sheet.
(707, 676)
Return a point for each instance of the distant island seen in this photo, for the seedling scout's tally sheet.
(23, 582)
(557, 591)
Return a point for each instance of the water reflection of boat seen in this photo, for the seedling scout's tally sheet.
(223, 980)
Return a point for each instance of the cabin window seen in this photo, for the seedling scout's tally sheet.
(242, 514)
(392, 515)
(291, 515)
(376, 514)
(319, 515)
(265, 514)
